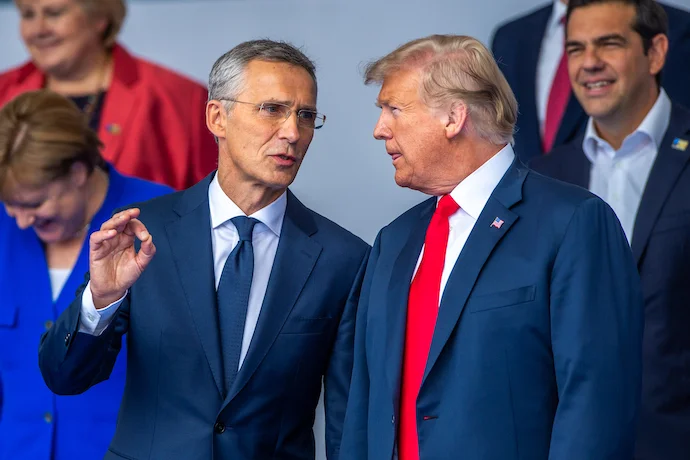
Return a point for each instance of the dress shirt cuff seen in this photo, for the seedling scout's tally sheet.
(92, 321)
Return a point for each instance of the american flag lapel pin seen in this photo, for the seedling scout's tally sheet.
(497, 223)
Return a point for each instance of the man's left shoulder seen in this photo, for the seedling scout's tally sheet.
(331, 234)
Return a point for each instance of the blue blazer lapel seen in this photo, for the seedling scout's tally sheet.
(474, 255)
(190, 244)
(295, 258)
(667, 168)
(528, 120)
(398, 292)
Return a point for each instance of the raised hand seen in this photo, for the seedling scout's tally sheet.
(113, 263)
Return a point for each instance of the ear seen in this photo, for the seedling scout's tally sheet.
(78, 174)
(457, 118)
(216, 118)
(657, 53)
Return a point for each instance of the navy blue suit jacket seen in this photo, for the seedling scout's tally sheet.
(537, 348)
(173, 405)
(661, 246)
(516, 46)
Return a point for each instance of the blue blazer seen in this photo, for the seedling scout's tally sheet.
(35, 424)
(516, 46)
(173, 405)
(537, 347)
(661, 246)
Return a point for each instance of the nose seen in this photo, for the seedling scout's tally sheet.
(289, 129)
(591, 61)
(24, 219)
(381, 130)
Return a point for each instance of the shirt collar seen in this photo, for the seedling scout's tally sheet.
(223, 209)
(473, 192)
(559, 10)
(654, 126)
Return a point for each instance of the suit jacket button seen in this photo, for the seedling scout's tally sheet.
(393, 420)
(67, 337)
(219, 427)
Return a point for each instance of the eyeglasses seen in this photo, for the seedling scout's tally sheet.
(278, 113)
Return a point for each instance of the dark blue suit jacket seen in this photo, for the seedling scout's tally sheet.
(516, 46)
(661, 246)
(173, 406)
(34, 423)
(537, 348)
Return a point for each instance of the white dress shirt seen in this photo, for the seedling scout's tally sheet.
(224, 238)
(619, 176)
(471, 194)
(552, 47)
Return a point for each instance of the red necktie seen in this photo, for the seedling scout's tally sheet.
(558, 100)
(422, 310)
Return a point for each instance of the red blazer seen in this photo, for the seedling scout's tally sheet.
(152, 120)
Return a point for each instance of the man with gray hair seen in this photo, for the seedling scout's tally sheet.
(500, 319)
(249, 301)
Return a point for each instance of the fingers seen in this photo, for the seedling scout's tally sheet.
(135, 227)
(146, 252)
(120, 220)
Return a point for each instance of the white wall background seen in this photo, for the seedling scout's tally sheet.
(347, 175)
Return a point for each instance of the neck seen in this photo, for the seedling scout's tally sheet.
(90, 78)
(468, 156)
(95, 190)
(616, 129)
(249, 199)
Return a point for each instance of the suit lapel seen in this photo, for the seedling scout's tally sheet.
(118, 105)
(667, 168)
(573, 164)
(398, 292)
(528, 117)
(573, 120)
(474, 255)
(295, 258)
(192, 250)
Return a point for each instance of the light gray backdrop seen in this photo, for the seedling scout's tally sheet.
(347, 175)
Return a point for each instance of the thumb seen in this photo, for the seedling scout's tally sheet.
(146, 251)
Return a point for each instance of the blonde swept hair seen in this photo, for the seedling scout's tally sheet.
(114, 11)
(456, 68)
(42, 134)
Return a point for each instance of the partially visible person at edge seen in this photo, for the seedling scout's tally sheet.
(149, 118)
(56, 190)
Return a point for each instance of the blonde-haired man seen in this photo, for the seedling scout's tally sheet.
(502, 318)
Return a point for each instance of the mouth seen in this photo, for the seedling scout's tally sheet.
(394, 155)
(44, 225)
(597, 86)
(284, 159)
(45, 44)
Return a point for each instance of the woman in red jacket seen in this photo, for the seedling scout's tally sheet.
(150, 119)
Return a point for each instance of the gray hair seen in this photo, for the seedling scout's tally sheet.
(226, 79)
(456, 68)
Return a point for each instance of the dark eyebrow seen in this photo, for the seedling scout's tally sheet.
(598, 41)
(610, 37)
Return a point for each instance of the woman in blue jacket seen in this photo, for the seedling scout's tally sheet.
(56, 189)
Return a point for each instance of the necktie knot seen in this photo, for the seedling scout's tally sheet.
(244, 226)
(562, 20)
(447, 206)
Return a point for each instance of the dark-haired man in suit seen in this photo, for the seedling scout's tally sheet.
(635, 155)
(530, 51)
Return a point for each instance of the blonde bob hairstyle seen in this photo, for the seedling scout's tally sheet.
(114, 11)
(42, 135)
(456, 68)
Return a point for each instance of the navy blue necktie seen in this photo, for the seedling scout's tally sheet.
(233, 297)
